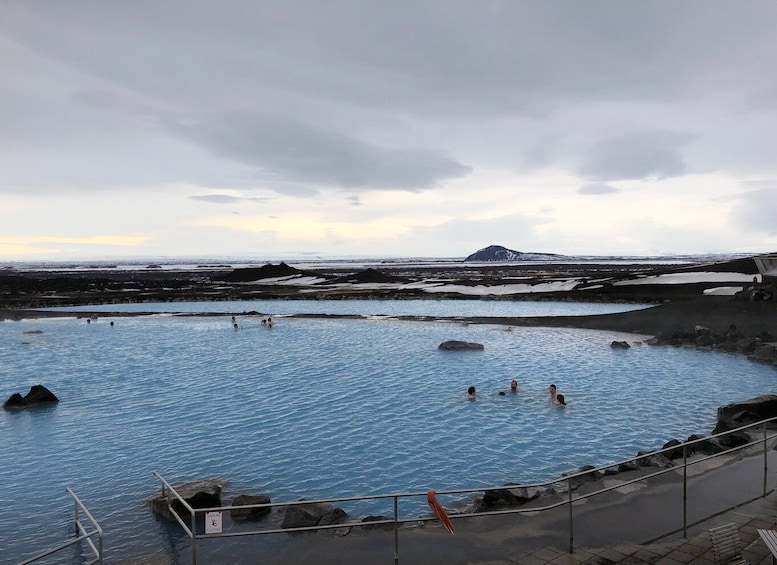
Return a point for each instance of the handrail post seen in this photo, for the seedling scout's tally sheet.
(75, 516)
(766, 464)
(194, 536)
(685, 491)
(571, 524)
(396, 531)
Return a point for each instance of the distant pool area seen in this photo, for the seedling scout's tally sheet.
(324, 408)
(428, 307)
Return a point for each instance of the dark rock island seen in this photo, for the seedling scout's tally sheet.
(39, 395)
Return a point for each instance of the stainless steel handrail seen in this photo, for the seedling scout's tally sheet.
(81, 533)
(566, 479)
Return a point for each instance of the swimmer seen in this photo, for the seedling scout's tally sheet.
(560, 400)
(270, 323)
(236, 326)
(513, 388)
(553, 397)
(471, 393)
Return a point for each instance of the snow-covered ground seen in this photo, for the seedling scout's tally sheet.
(691, 278)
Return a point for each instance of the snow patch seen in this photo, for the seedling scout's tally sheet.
(723, 290)
(293, 280)
(505, 289)
(688, 278)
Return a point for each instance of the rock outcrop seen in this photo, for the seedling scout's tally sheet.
(39, 395)
(202, 493)
(268, 271)
(246, 514)
(757, 348)
(739, 414)
(371, 275)
(455, 345)
(312, 514)
(513, 495)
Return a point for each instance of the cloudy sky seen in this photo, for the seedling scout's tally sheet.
(150, 128)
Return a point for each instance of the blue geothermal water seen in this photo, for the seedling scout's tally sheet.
(431, 307)
(320, 408)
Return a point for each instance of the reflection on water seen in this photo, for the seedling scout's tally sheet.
(321, 408)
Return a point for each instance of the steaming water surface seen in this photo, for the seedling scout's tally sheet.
(322, 408)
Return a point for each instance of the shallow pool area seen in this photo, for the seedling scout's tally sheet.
(322, 408)
(443, 308)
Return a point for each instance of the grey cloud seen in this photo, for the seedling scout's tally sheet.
(597, 188)
(380, 74)
(288, 151)
(655, 154)
(448, 58)
(756, 211)
(227, 199)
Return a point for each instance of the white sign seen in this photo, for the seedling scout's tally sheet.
(213, 522)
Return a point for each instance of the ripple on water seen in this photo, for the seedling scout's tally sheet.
(324, 408)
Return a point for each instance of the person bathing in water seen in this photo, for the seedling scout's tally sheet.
(471, 393)
(513, 388)
(556, 398)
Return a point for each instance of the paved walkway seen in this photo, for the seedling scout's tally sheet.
(696, 549)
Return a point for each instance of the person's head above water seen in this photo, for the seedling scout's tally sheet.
(560, 400)
(552, 390)
(471, 392)
(513, 385)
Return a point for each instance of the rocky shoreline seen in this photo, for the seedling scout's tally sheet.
(305, 513)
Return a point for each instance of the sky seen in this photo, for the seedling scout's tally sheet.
(401, 128)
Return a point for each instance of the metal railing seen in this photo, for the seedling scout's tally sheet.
(81, 533)
(568, 480)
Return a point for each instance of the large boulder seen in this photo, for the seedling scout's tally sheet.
(734, 439)
(515, 495)
(38, 395)
(705, 445)
(739, 414)
(650, 459)
(310, 514)
(202, 493)
(455, 345)
(588, 473)
(676, 453)
(765, 353)
(246, 514)
(333, 516)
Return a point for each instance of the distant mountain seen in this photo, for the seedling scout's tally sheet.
(502, 254)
